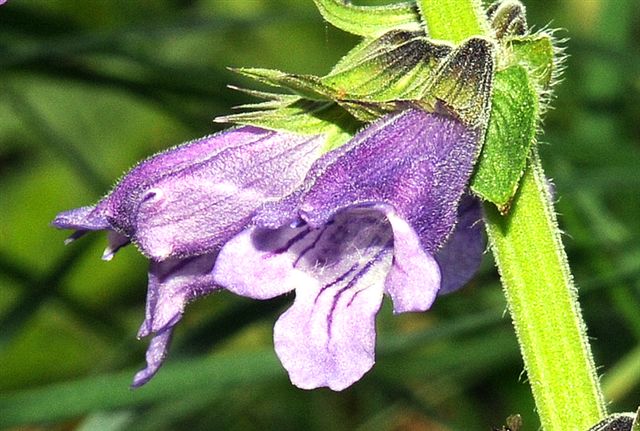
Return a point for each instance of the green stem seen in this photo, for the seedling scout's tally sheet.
(453, 20)
(544, 307)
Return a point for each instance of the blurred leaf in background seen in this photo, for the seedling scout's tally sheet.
(89, 88)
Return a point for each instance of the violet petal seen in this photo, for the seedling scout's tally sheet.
(461, 256)
(327, 338)
(195, 210)
(419, 163)
(414, 277)
(414, 166)
(190, 199)
(82, 219)
(156, 353)
(172, 284)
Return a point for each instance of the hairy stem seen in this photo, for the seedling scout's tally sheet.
(453, 20)
(544, 307)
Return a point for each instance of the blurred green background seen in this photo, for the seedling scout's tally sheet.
(88, 88)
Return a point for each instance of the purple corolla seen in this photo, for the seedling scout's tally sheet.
(260, 214)
(369, 219)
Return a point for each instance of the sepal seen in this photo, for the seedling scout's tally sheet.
(300, 116)
(463, 83)
(389, 68)
(307, 86)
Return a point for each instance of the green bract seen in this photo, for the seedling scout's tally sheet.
(537, 53)
(511, 133)
(463, 82)
(391, 67)
(524, 75)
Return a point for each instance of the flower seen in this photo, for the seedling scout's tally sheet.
(180, 206)
(260, 213)
(370, 218)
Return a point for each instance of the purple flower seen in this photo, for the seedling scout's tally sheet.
(179, 207)
(258, 213)
(371, 218)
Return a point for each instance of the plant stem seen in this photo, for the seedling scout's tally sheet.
(453, 20)
(544, 307)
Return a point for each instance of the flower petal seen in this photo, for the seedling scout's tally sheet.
(255, 263)
(125, 198)
(327, 338)
(190, 199)
(418, 163)
(413, 280)
(172, 284)
(81, 219)
(414, 167)
(197, 210)
(460, 257)
(156, 353)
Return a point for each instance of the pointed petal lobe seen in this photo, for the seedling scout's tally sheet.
(172, 284)
(156, 353)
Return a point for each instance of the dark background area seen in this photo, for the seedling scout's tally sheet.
(89, 88)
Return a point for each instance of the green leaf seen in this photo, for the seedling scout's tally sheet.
(536, 52)
(462, 84)
(394, 66)
(510, 135)
(453, 20)
(300, 116)
(370, 21)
